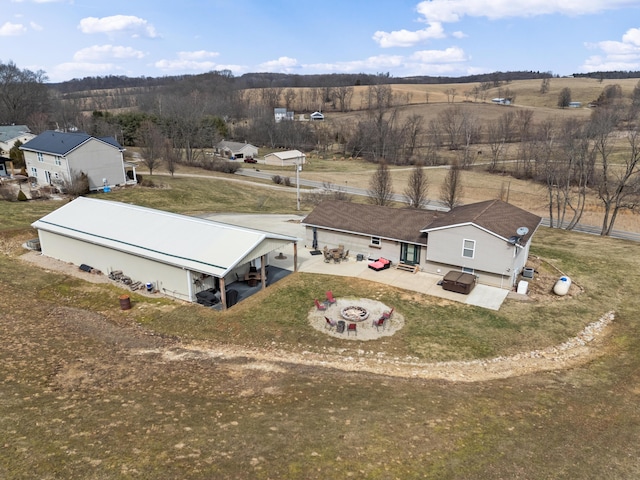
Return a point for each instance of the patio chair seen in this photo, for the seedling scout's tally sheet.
(346, 255)
(319, 305)
(379, 323)
(387, 315)
(331, 324)
(330, 298)
(352, 328)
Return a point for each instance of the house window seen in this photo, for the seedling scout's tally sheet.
(58, 160)
(376, 242)
(40, 158)
(468, 248)
(468, 270)
(34, 172)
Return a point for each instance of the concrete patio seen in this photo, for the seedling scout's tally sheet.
(481, 296)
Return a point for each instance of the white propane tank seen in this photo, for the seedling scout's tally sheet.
(562, 286)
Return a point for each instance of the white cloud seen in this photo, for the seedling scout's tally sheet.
(282, 64)
(99, 52)
(135, 26)
(64, 71)
(406, 38)
(449, 55)
(36, 27)
(617, 55)
(199, 55)
(372, 64)
(459, 34)
(12, 29)
(450, 11)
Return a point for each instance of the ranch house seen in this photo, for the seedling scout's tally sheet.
(490, 239)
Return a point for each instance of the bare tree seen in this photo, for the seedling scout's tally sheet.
(451, 190)
(343, 95)
(618, 184)
(151, 141)
(380, 192)
(544, 86)
(22, 93)
(289, 98)
(417, 187)
(171, 156)
(564, 97)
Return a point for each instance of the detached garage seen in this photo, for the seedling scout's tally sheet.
(180, 255)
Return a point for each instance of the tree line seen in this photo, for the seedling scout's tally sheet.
(181, 121)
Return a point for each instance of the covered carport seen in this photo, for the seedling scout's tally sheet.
(179, 255)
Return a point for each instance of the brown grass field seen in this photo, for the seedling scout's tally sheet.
(167, 390)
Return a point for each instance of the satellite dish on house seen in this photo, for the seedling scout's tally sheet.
(522, 231)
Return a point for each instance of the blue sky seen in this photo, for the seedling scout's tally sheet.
(77, 38)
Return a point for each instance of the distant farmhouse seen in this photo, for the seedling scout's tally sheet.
(236, 150)
(316, 116)
(57, 158)
(280, 114)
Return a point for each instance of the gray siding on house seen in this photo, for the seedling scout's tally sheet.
(99, 161)
(355, 243)
(495, 260)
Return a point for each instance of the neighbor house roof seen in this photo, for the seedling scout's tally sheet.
(61, 143)
(9, 132)
(402, 224)
(496, 216)
(233, 146)
(188, 242)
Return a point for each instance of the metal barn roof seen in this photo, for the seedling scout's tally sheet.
(188, 242)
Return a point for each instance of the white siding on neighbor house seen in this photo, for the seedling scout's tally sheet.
(167, 278)
(99, 161)
(39, 164)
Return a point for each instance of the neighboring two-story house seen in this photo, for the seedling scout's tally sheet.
(58, 158)
(10, 134)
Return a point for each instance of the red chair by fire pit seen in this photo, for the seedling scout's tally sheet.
(319, 305)
(352, 328)
(379, 323)
(331, 324)
(387, 315)
(330, 298)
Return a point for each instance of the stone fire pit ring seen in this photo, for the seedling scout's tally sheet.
(354, 313)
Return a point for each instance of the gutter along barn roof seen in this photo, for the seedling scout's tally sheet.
(188, 242)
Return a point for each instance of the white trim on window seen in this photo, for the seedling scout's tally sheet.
(376, 242)
(40, 157)
(34, 172)
(58, 160)
(468, 270)
(468, 248)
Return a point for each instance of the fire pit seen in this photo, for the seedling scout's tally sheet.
(354, 313)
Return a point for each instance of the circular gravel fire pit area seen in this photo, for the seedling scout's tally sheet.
(354, 313)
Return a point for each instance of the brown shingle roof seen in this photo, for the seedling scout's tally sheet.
(402, 224)
(498, 217)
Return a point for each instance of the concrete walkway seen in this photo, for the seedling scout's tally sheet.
(481, 296)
